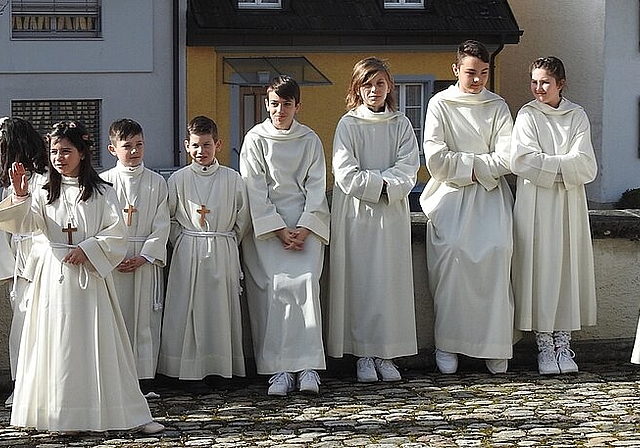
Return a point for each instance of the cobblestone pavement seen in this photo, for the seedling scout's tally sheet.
(600, 406)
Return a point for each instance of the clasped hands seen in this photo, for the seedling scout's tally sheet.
(293, 239)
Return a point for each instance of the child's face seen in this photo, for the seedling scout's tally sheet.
(65, 157)
(472, 74)
(129, 151)
(545, 88)
(374, 92)
(281, 110)
(202, 148)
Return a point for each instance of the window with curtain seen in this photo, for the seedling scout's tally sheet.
(55, 19)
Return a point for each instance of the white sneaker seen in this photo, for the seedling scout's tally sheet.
(309, 381)
(9, 401)
(151, 428)
(547, 364)
(281, 384)
(564, 358)
(447, 362)
(497, 365)
(387, 369)
(366, 370)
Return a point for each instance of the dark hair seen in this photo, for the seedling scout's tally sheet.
(89, 180)
(20, 142)
(552, 65)
(472, 48)
(201, 125)
(363, 72)
(285, 87)
(123, 128)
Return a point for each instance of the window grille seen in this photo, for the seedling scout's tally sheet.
(43, 114)
(272, 4)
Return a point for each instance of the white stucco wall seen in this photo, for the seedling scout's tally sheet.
(130, 69)
(574, 31)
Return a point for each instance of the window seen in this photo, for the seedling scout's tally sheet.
(412, 101)
(55, 19)
(415, 4)
(256, 4)
(43, 114)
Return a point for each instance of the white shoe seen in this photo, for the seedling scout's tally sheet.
(281, 384)
(9, 401)
(309, 381)
(547, 364)
(366, 370)
(387, 369)
(497, 365)
(447, 362)
(151, 428)
(564, 358)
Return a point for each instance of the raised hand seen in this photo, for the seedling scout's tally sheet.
(19, 181)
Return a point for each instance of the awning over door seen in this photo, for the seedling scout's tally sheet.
(259, 71)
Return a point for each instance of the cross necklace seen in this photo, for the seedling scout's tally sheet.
(203, 210)
(131, 208)
(72, 225)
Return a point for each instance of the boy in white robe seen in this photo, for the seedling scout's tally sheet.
(375, 163)
(553, 272)
(202, 325)
(469, 217)
(139, 277)
(283, 164)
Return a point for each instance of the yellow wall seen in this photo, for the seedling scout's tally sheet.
(322, 106)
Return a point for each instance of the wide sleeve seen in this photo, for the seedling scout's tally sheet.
(528, 160)
(264, 215)
(444, 165)
(21, 217)
(578, 166)
(348, 175)
(243, 214)
(172, 204)
(315, 215)
(401, 176)
(489, 167)
(108, 247)
(155, 246)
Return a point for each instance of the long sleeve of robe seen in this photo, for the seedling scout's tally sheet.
(202, 327)
(553, 272)
(371, 301)
(76, 370)
(469, 222)
(141, 293)
(285, 174)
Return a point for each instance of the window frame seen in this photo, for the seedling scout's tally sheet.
(259, 4)
(56, 19)
(426, 81)
(403, 4)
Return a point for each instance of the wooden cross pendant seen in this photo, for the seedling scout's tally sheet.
(130, 210)
(69, 231)
(202, 212)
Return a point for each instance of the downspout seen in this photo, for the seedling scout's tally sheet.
(492, 68)
(176, 84)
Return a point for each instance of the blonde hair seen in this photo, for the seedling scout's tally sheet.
(363, 72)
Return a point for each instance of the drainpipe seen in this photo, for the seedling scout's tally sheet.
(176, 84)
(492, 67)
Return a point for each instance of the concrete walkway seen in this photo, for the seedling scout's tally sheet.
(600, 406)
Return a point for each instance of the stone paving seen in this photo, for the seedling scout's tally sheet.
(600, 406)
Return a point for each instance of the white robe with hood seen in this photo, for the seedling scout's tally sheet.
(285, 174)
(371, 301)
(469, 223)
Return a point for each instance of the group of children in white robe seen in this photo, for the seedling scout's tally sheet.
(98, 320)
